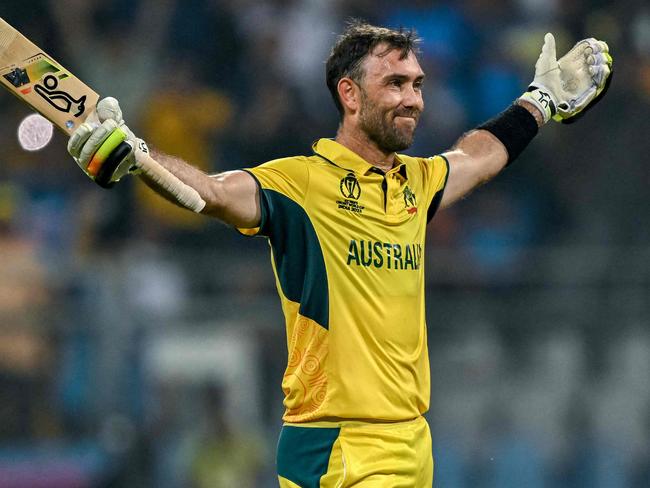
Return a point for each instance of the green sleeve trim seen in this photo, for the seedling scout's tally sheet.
(255, 231)
(437, 198)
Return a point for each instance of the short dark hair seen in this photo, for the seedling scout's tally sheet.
(355, 43)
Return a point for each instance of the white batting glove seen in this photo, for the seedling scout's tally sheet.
(564, 89)
(105, 150)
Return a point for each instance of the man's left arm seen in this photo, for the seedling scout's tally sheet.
(563, 90)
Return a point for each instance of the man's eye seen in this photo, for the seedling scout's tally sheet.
(395, 82)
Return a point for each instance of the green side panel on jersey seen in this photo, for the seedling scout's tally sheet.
(297, 254)
(304, 453)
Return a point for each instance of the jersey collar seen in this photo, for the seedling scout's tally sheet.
(339, 155)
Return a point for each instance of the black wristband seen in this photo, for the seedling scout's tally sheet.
(515, 127)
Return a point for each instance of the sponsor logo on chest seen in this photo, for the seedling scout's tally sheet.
(410, 201)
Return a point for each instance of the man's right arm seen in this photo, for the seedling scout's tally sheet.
(232, 196)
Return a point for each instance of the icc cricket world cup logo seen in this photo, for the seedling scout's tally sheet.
(350, 187)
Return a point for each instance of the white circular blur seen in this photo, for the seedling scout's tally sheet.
(34, 132)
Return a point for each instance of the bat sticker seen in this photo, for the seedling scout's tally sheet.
(17, 77)
(59, 99)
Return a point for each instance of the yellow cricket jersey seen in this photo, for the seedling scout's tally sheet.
(347, 247)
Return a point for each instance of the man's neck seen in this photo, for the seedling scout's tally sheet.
(359, 143)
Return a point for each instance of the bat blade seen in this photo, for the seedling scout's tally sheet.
(58, 95)
(42, 83)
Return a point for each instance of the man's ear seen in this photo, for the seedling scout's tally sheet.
(349, 94)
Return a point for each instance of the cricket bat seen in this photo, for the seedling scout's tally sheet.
(66, 101)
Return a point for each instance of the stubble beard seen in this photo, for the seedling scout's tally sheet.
(380, 127)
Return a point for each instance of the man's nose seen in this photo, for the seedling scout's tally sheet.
(413, 98)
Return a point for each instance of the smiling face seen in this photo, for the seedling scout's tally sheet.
(390, 98)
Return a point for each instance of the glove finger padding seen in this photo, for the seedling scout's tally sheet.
(596, 45)
(599, 73)
(78, 139)
(542, 92)
(103, 146)
(104, 154)
(109, 108)
(96, 139)
(584, 72)
(115, 158)
(118, 157)
(547, 60)
(127, 165)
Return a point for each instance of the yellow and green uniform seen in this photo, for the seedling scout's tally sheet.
(347, 245)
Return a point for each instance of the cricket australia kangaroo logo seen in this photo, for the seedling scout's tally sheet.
(60, 100)
(410, 202)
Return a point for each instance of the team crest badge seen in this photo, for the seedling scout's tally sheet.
(410, 202)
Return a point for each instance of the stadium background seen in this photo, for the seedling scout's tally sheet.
(142, 347)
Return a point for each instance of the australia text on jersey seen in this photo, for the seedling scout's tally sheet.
(384, 254)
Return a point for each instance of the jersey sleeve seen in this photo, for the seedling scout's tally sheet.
(435, 171)
(282, 183)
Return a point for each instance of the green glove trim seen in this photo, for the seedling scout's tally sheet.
(105, 176)
(107, 147)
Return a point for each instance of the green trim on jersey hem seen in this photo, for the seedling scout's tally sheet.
(304, 453)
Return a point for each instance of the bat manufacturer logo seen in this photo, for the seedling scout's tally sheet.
(544, 99)
(59, 99)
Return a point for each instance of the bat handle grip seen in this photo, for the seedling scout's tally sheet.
(183, 193)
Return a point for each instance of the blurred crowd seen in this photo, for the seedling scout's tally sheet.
(93, 282)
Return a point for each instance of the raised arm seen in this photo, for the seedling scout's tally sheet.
(562, 90)
(476, 158)
(107, 151)
(232, 196)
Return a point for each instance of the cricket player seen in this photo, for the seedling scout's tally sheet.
(346, 225)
